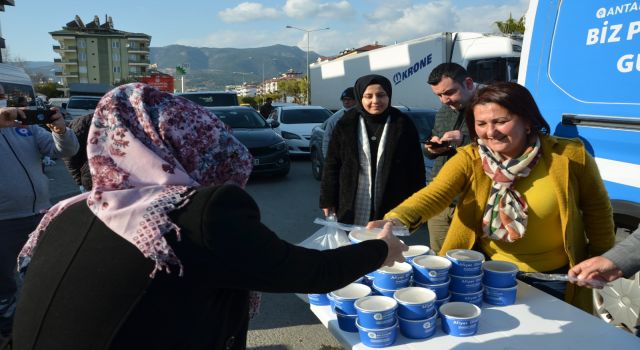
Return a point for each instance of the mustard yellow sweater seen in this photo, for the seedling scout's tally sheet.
(586, 217)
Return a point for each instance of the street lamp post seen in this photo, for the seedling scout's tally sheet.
(308, 31)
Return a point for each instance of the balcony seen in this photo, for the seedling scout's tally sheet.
(138, 50)
(59, 49)
(62, 63)
(66, 74)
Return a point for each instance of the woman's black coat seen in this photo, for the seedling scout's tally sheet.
(88, 288)
(402, 173)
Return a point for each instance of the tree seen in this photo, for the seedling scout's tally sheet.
(294, 87)
(49, 89)
(511, 26)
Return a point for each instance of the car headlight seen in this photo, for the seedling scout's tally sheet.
(280, 146)
(290, 136)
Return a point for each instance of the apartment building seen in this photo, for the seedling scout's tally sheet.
(96, 53)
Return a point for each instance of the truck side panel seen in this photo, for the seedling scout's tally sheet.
(583, 68)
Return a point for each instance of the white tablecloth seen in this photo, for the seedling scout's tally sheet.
(536, 321)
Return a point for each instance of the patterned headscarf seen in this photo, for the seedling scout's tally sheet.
(505, 216)
(147, 151)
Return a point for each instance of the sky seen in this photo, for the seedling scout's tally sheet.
(249, 24)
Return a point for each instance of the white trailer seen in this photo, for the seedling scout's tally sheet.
(487, 57)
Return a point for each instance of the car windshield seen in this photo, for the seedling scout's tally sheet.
(304, 116)
(213, 99)
(83, 103)
(241, 118)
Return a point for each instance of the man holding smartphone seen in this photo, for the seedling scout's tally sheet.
(24, 189)
(455, 89)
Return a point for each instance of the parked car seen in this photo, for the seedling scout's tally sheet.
(77, 106)
(296, 123)
(423, 119)
(269, 150)
(212, 98)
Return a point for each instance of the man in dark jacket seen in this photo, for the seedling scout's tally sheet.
(266, 108)
(77, 165)
(455, 89)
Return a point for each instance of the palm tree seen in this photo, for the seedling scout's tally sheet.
(511, 26)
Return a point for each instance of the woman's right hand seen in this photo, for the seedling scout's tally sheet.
(394, 245)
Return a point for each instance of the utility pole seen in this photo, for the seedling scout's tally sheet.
(308, 32)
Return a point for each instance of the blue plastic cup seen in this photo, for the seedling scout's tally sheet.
(393, 277)
(465, 262)
(440, 302)
(418, 329)
(376, 311)
(318, 299)
(415, 250)
(474, 298)
(499, 274)
(381, 291)
(500, 296)
(357, 236)
(368, 279)
(347, 322)
(460, 319)
(344, 298)
(465, 284)
(415, 303)
(441, 289)
(430, 269)
(377, 337)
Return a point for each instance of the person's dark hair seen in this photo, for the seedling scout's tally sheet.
(513, 97)
(454, 71)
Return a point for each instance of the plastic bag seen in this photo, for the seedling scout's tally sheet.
(397, 230)
(327, 237)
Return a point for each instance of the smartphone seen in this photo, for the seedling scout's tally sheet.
(37, 116)
(435, 144)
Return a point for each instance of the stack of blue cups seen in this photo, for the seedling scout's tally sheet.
(500, 285)
(342, 304)
(466, 275)
(416, 312)
(377, 322)
(432, 272)
(388, 279)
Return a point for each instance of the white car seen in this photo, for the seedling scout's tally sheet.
(296, 124)
(77, 106)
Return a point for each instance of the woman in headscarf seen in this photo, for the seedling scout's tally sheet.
(526, 197)
(374, 160)
(163, 251)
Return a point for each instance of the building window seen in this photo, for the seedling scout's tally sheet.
(82, 56)
(116, 69)
(115, 44)
(82, 69)
(84, 80)
(133, 58)
(116, 57)
(132, 44)
(133, 70)
(82, 44)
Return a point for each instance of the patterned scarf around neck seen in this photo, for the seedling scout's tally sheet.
(505, 216)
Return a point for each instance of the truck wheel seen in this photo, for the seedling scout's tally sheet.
(619, 302)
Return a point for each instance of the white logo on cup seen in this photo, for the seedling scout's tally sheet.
(433, 273)
(372, 335)
(377, 317)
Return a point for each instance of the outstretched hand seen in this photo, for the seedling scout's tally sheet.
(394, 245)
(596, 268)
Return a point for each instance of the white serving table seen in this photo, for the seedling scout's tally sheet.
(537, 321)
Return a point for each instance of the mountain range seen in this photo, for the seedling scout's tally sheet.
(213, 68)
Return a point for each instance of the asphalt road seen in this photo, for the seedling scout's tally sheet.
(288, 206)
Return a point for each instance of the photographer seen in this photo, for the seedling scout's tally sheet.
(24, 189)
